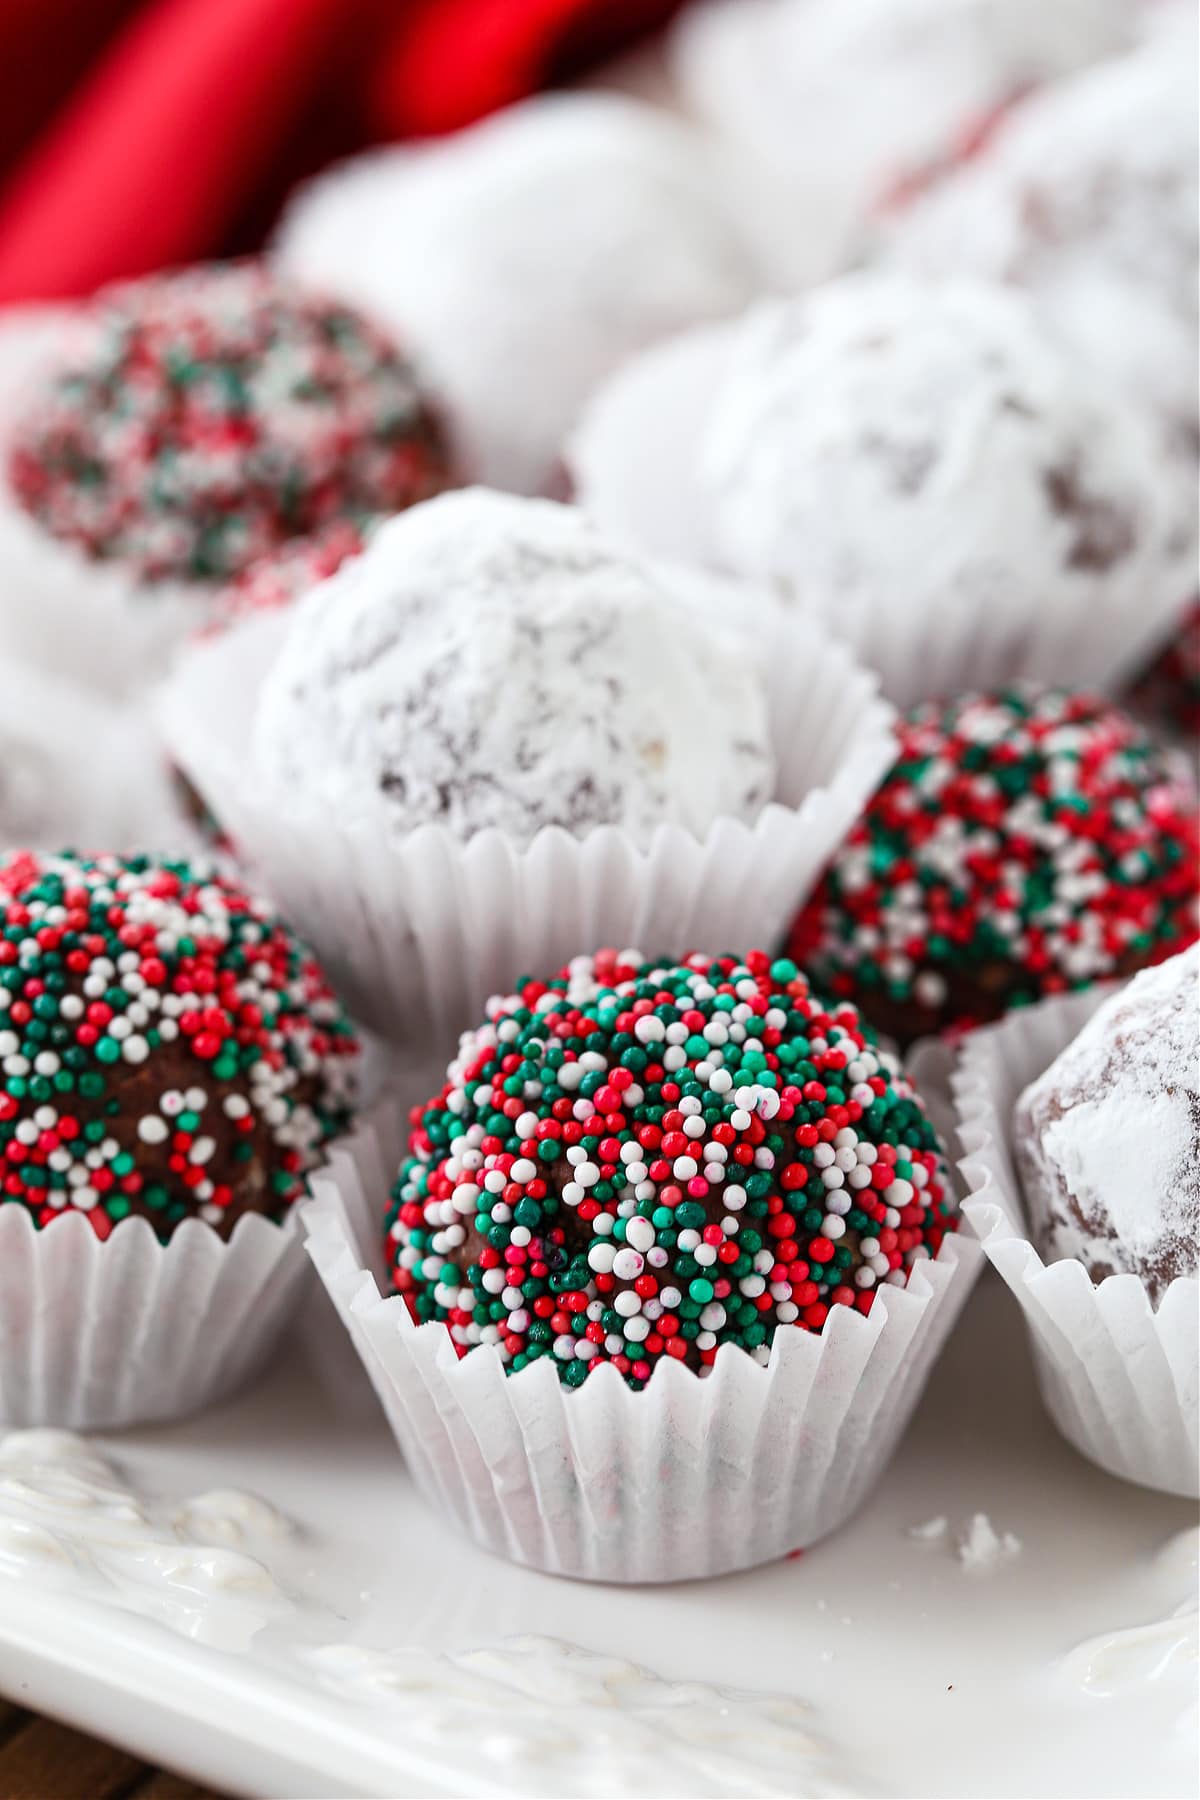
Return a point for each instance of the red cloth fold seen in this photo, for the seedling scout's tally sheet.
(198, 113)
(451, 61)
(147, 164)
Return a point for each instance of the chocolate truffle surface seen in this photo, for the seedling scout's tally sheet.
(1167, 690)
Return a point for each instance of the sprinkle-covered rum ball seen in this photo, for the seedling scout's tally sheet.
(495, 662)
(167, 1048)
(216, 413)
(639, 1160)
(1025, 842)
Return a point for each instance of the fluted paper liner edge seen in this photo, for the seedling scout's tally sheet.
(1119, 1377)
(688, 1478)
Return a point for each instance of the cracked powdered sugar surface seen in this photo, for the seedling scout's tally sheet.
(490, 661)
(934, 443)
(1108, 1138)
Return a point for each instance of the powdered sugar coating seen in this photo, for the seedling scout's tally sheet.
(490, 661)
(1089, 198)
(525, 258)
(1108, 1138)
(76, 768)
(848, 103)
(883, 435)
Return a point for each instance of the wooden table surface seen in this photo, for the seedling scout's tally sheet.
(40, 1760)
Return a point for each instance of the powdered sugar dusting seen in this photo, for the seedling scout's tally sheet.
(932, 443)
(1088, 198)
(76, 769)
(1108, 1139)
(526, 258)
(1110, 1150)
(871, 92)
(491, 662)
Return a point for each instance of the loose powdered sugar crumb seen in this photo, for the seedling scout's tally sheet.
(1088, 198)
(982, 1548)
(932, 1531)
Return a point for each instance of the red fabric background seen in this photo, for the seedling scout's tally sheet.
(138, 133)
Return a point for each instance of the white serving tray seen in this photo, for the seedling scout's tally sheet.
(1063, 1668)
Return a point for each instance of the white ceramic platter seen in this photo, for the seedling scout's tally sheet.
(335, 1638)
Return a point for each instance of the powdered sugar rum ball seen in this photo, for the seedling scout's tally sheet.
(1108, 1138)
(1025, 842)
(194, 422)
(842, 107)
(525, 258)
(1089, 198)
(491, 662)
(882, 435)
(642, 1161)
(922, 466)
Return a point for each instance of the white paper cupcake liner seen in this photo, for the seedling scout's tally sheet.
(418, 931)
(82, 619)
(1120, 1378)
(689, 1478)
(632, 463)
(100, 1335)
